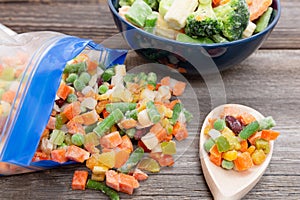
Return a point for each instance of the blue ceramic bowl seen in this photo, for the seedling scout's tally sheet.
(183, 56)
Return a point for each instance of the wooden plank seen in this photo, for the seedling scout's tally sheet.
(93, 20)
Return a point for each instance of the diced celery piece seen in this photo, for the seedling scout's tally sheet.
(57, 137)
(150, 23)
(227, 164)
(209, 144)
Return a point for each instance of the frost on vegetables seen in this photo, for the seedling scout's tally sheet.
(120, 125)
(236, 140)
(199, 21)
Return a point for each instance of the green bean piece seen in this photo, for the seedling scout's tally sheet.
(107, 74)
(249, 130)
(122, 106)
(58, 122)
(77, 139)
(132, 161)
(114, 117)
(176, 112)
(90, 128)
(71, 78)
(96, 185)
(266, 123)
(85, 77)
(152, 112)
(71, 98)
(102, 89)
(79, 85)
(263, 21)
(132, 114)
(219, 124)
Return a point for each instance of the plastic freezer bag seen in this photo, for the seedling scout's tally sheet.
(31, 68)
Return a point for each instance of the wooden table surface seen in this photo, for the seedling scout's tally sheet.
(268, 81)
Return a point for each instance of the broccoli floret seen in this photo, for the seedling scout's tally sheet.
(203, 22)
(235, 17)
(153, 4)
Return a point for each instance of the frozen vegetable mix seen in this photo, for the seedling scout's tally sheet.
(236, 140)
(121, 126)
(199, 21)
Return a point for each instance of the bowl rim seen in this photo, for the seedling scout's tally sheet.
(215, 45)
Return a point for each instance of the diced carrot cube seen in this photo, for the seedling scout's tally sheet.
(179, 88)
(163, 159)
(59, 155)
(105, 113)
(90, 117)
(8, 96)
(77, 154)
(165, 81)
(244, 145)
(161, 135)
(254, 137)
(72, 110)
(172, 104)
(215, 156)
(63, 91)
(121, 157)
(51, 123)
(139, 175)
(91, 66)
(111, 140)
(269, 134)
(127, 183)
(246, 118)
(179, 131)
(126, 144)
(74, 127)
(79, 180)
(243, 161)
(128, 123)
(112, 179)
(156, 128)
(38, 156)
(230, 111)
(168, 137)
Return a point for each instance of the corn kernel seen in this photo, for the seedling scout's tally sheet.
(227, 132)
(251, 149)
(230, 155)
(258, 156)
(98, 177)
(98, 170)
(207, 129)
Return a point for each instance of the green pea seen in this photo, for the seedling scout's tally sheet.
(85, 77)
(107, 74)
(79, 85)
(103, 89)
(71, 98)
(71, 78)
(77, 139)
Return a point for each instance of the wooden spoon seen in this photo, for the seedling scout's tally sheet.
(230, 184)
